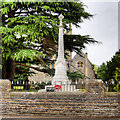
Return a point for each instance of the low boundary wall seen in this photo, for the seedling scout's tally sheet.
(92, 103)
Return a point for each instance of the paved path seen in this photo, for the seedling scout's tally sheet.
(60, 118)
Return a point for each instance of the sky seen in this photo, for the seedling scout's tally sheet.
(103, 27)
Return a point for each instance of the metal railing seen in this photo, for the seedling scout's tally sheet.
(35, 86)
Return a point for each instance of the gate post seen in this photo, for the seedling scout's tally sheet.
(94, 88)
(5, 85)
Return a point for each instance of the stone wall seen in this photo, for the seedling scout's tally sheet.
(39, 76)
(92, 103)
(86, 69)
(90, 72)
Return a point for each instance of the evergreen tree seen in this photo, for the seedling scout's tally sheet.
(30, 32)
(101, 72)
(110, 71)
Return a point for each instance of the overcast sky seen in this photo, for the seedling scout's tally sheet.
(102, 27)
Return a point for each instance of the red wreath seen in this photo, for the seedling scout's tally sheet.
(57, 86)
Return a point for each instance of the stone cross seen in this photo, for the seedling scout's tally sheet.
(60, 64)
(60, 18)
(60, 42)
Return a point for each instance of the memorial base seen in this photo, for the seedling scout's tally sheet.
(61, 88)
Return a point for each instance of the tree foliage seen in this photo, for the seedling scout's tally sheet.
(74, 75)
(110, 70)
(117, 79)
(38, 23)
(77, 42)
(101, 72)
(30, 30)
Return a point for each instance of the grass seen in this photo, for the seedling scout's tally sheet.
(21, 89)
(111, 92)
(13, 90)
(82, 90)
(106, 91)
(18, 87)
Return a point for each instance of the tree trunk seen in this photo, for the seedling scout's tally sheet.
(26, 84)
(4, 70)
(8, 70)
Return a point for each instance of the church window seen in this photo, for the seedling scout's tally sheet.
(52, 65)
(79, 64)
(68, 65)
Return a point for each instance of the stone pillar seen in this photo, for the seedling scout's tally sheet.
(94, 88)
(60, 64)
(86, 71)
(5, 85)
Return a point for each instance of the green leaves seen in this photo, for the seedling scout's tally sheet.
(5, 10)
(110, 70)
(101, 72)
(5, 30)
(74, 75)
(6, 53)
(28, 54)
(9, 40)
(46, 7)
(34, 21)
(117, 79)
(77, 42)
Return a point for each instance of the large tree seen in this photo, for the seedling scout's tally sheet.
(101, 72)
(30, 32)
(110, 70)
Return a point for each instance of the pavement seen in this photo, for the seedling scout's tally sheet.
(52, 118)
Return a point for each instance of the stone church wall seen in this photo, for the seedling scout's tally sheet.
(86, 68)
(91, 73)
(75, 60)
